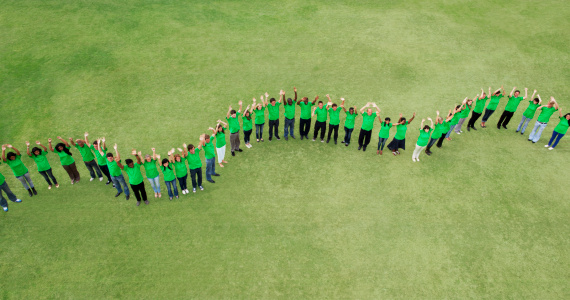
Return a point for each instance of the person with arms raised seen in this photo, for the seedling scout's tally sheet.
(179, 164)
(528, 114)
(135, 177)
(321, 122)
(101, 156)
(210, 154)
(384, 133)
(273, 109)
(13, 159)
(368, 118)
(44, 168)
(151, 171)
(441, 127)
(233, 120)
(543, 118)
(168, 173)
(195, 163)
(116, 174)
(6, 189)
(305, 119)
(493, 103)
(423, 139)
(559, 131)
(88, 158)
(399, 141)
(66, 159)
(351, 114)
(478, 110)
(259, 110)
(289, 105)
(247, 120)
(334, 120)
(512, 105)
(466, 109)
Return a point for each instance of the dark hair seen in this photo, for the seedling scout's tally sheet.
(10, 155)
(289, 101)
(334, 105)
(36, 149)
(536, 99)
(320, 102)
(402, 119)
(496, 93)
(426, 127)
(95, 142)
(64, 148)
(109, 154)
(222, 128)
(517, 91)
(458, 106)
(190, 147)
(387, 119)
(248, 117)
(351, 109)
(233, 111)
(272, 100)
(568, 114)
(128, 161)
(165, 160)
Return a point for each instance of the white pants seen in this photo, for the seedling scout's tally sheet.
(417, 151)
(221, 153)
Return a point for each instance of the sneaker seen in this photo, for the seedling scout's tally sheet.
(117, 195)
(211, 181)
(194, 190)
(278, 138)
(458, 132)
(146, 202)
(201, 188)
(108, 182)
(262, 140)
(159, 195)
(359, 147)
(522, 133)
(138, 203)
(34, 190)
(313, 140)
(322, 141)
(91, 179)
(413, 159)
(377, 152)
(30, 192)
(397, 151)
(335, 142)
(18, 201)
(100, 178)
(57, 185)
(473, 128)
(418, 159)
(364, 148)
(270, 138)
(529, 140)
(177, 197)
(239, 150)
(498, 127)
(346, 144)
(72, 181)
(258, 140)
(328, 140)
(301, 138)
(468, 128)
(380, 152)
(49, 187)
(292, 136)
(233, 153)
(546, 146)
(550, 148)
(504, 126)
(393, 152)
(286, 138)
(216, 174)
(170, 198)
(5, 208)
(128, 197)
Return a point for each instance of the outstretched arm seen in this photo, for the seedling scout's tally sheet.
(50, 146)
(502, 90)
(40, 144)
(377, 108)
(86, 140)
(342, 104)
(281, 96)
(229, 110)
(364, 107)
(118, 156)
(313, 113)
(4, 153)
(539, 100)
(240, 103)
(15, 150)
(28, 148)
(139, 160)
(100, 147)
(413, 117)
(63, 141)
(316, 98)
(422, 124)
(431, 121)
(295, 89)
(551, 98)
(533, 93)
(153, 153)
(513, 91)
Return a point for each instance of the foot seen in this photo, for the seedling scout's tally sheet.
(364, 148)
(418, 159)
(313, 140)
(194, 190)
(359, 147)
(91, 179)
(177, 197)
(170, 198)
(301, 138)
(550, 148)
(322, 141)
(286, 138)
(394, 152)
(49, 187)
(380, 152)
(155, 195)
(529, 140)
(328, 140)
(108, 182)
(413, 159)
(292, 136)
(224, 162)
(458, 132)
(201, 188)
(258, 140)
(117, 195)
(211, 181)
(233, 153)
(57, 185)
(221, 166)
(504, 126)
(183, 192)
(498, 127)
(100, 178)
(138, 203)
(473, 128)
(278, 138)
(468, 128)
(18, 200)
(128, 197)
(449, 139)
(72, 181)
(270, 138)
(398, 152)
(34, 190)
(216, 174)
(30, 192)
(522, 133)
(546, 146)
(239, 150)
(146, 202)
(335, 142)
(377, 152)
(159, 195)
(346, 144)
(262, 140)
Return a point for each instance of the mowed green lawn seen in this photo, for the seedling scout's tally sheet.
(486, 216)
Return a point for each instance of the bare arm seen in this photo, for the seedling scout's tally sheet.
(413, 117)
(153, 153)
(316, 98)
(229, 110)
(551, 98)
(533, 93)
(50, 146)
(240, 103)
(539, 100)
(28, 148)
(118, 160)
(342, 104)
(40, 144)
(422, 124)
(139, 161)
(15, 150)
(4, 153)
(118, 156)
(295, 89)
(513, 91)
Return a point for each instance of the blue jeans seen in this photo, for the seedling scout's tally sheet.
(117, 181)
(289, 127)
(155, 184)
(537, 131)
(556, 138)
(171, 185)
(487, 115)
(25, 180)
(524, 123)
(4, 187)
(381, 143)
(210, 168)
(183, 181)
(450, 131)
(259, 131)
(347, 135)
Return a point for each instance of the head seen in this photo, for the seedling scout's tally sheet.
(402, 119)
(551, 103)
(36, 151)
(426, 128)
(320, 104)
(207, 138)
(11, 156)
(439, 120)
(289, 101)
(469, 102)
(387, 120)
(220, 128)
(305, 99)
(457, 107)
(110, 156)
(369, 111)
(233, 113)
(177, 157)
(517, 93)
(334, 106)
(351, 110)
(484, 95)
(497, 93)
(567, 117)
(246, 113)
(59, 147)
(79, 143)
(272, 101)
(259, 106)
(191, 149)
(129, 162)
(165, 162)
(536, 100)
(95, 145)
(148, 158)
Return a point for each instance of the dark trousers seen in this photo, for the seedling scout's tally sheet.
(347, 135)
(47, 173)
(139, 191)
(289, 127)
(364, 137)
(474, 117)
(381, 143)
(105, 171)
(259, 131)
(246, 136)
(193, 173)
(430, 144)
(555, 139)
(274, 127)
(6, 189)
(304, 127)
(487, 115)
(92, 167)
(440, 141)
(183, 182)
(72, 172)
(331, 129)
(505, 118)
(322, 126)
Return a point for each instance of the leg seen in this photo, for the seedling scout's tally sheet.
(117, 184)
(323, 130)
(238, 143)
(105, 171)
(367, 136)
(136, 191)
(316, 131)
(521, 123)
(199, 173)
(24, 182)
(44, 174)
(292, 128)
(4, 187)
(74, 171)
(459, 125)
(169, 188)
(209, 169)
(534, 129)
(360, 138)
(525, 124)
(29, 180)
(502, 118)
(508, 118)
(50, 174)
(349, 135)
(90, 168)
(450, 131)
(330, 132)
(440, 141)
(335, 133)
(557, 140)
(69, 173)
(384, 140)
(143, 191)
(193, 177)
(277, 128)
(539, 132)
(271, 124)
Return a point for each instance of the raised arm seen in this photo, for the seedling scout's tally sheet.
(316, 98)
(100, 147)
(240, 103)
(50, 146)
(4, 153)
(171, 156)
(104, 144)
(450, 116)
(431, 121)
(539, 100)
(295, 89)
(364, 107)
(281, 96)
(413, 117)
(40, 144)
(202, 141)
(185, 151)
(502, 90)
(86, 140)
(533, 93)
(63, 141)
(313, 113)
(228, 114)
(139, 160)
(118, 156)
(513, 91)
(153, 153)
(72, 141)
(551, 98)
(28, 148)
(377, 108)
(422, 124)
(119, 164)
(15, 150)
(266, 99)
(342, 104)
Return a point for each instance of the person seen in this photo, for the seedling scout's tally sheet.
(273, 109)
(399, 140)
(512, 105)
(210, 154)
(334, 120)
(348, 122)
(101, 156)
(169, 177)
(528, 114)
(42, 162)
(367, 125)
(151, 171)
(305, 119)
(423, 139)
(445, 128)
(135, 177)
(66, 159)
(220, 136)
(321, 122)
(88, 158)
(13, 159)
(6, 189)
(440, 128)
(543, 118)
(247, 129)
(467, 104)
(259, 110)
(495, 99)
(195, 164)
(384, 134)
(559, 131)
(179, 164)
(478, 110)
(233, 120)
(116, 174)
(289, 105)
(454, 121)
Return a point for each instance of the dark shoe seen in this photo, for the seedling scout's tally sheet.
(211, 181)
(328, 140)
(346, 144)
(335, 142)
(146, 202)
(364, 148)
(117, 195)
(498, 127)
(286, 138)
(239, 150)
(473, 128)
(468, 128)
(292, 136)
(301, 138)
(138, 203)
(270, 138)
(34, 190)
(233, 153)
(504, 126)
(30, 192)
(522, 133)
(278, 138)
(216, 174)
(359, 147)
(108, 182)
(128, 197)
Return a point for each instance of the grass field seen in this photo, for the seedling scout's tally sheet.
(486, 216)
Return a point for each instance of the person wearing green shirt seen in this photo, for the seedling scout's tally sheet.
(466, 109)
(40, 158)
(247, 121)
(454, 121)
(478, 110)
(135, 177)
(13, 159)
(512, 105)
(399, 140)
(446, 127)
(169, 177)
(100, 149)
(423, 139)
(273, 109)
(114, 164)
(559, 131)
(66, 159)
(259, 110)
(6, 189)
(495, 99)
(368, 118)
(348, 122)
(210, 154)
(543, 118)
(289, 116)
(384, 133)
(528, 114)
(305, 119)
(232, 117)
(88, 158)
(195, 163)
(179, 164)
(441, 127)
(219, 134)
(321, 122)
(334, 119)
(151, 171)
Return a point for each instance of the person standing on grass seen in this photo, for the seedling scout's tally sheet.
(116, 174)
(66, 159)
(334, 120)
(88, 159)
(321, 122)
(210, 154)
(454, 121)
(384, 133)
(135, 177)
(348, 122)
(368, 118)
(233, 120)
(528, 114)
(467, 104)
(195, 164)
(149, 165)
(44, 167)
(543, 118)
(478, 110)
(512, 105)
(273, 109)
(20, 171)
(259, 110)
(423, 139)
(445, 128)
(220, 135)
(399, 141)
(169, 177)
(101, 156)
(305, 119)
(179, 164)
(246, 119)
(6, 189)
(559, 131)
(290, 116)
(441, 127)
(495, 99)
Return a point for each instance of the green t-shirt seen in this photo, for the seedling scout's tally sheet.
(321, 114)
(135, 175)
(246, 123)
(259, 116)
(513, 103)
(480, 105)
(180, 167)
(368, 121)
(234, 123)
(17, 166)
(114, 169)
(349, 121)
(85, 152)
(101, 159)
(2, 179)
(465, 113)
(494, 102)
(401, 131)
(334, 118)
(545, 114)
(41, 161)
(531, 109)
(290, 110)
(455, 118)
(221, 139)
(423, 139)
(194, 160)
(150, 168)
(65, 158)
(384, 130)
(440, 129)
(306, 110)
(209, 150)
(562, 127)
(273, 111)
(168, 173)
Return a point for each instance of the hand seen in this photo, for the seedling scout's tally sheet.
(158, 157)
(429, 118)
(49, 140)
(342, 99)
(3, 147)
(261, 97)
(317, 98)
(86, 134)
(134, 152)
(526, 89)
(230, 107)
(38, 143)
(59, 137)
(201, 138)
(414, 114)
(115, 147)
(327, 95)
(103, 139)
(169, 153)
(153, 149)
(71, 139)
(240, 102)
(255, 100)
(28, 144)
(423, 120)
(210, 128)
(437, 112)
(117, 159)
(9, 146)
(172, 150)
(329, 103)
(185, 146)
(266, 95)
(535, 91)
(179, 150)
(295, 89)
(140, 154)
